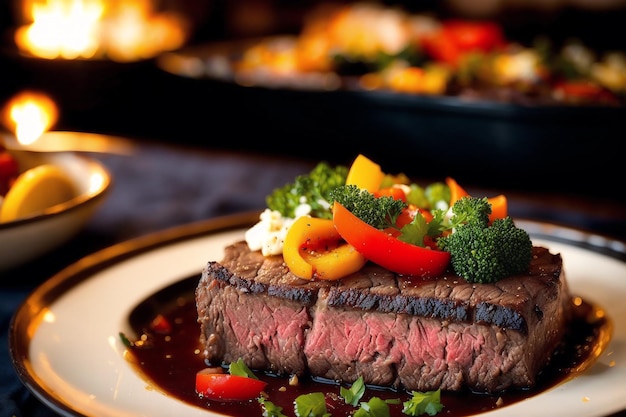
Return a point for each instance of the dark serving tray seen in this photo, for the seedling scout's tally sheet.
(541, 147)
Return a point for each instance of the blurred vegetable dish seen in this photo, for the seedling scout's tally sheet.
(372, 47)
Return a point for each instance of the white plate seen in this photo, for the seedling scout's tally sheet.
(65, 344)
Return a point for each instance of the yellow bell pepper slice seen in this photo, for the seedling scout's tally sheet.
(314, 249)
(365, 174)
(498, 203)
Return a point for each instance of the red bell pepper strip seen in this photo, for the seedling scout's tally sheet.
(385, 249)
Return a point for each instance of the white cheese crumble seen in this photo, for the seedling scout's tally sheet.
(268, 235)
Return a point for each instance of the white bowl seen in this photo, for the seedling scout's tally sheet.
(27, 238)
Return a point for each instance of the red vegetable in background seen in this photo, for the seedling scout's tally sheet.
(9, 170)
(583, 91)
(459, 37)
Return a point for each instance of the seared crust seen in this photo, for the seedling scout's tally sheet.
(509, 303)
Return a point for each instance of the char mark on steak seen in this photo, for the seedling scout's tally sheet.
(402, 332)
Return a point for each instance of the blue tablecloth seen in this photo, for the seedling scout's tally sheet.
(162, 186)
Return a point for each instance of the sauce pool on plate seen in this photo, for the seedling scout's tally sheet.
(166, 351)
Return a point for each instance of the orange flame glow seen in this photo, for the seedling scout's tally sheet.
(29, 114)
(98, 29)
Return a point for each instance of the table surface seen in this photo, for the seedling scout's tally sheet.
(163, 186)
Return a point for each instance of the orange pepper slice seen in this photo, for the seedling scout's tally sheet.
(456, 191)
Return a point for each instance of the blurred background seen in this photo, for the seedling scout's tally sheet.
(158, 72)
(122, 91)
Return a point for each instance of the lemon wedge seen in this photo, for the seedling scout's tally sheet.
(36, 190)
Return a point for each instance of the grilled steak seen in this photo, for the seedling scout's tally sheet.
(402, 332)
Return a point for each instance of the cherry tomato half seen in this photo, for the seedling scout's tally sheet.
(160, 324)
(227, 387)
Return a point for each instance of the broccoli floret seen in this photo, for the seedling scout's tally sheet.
(312, 189)
(381, 212)
(470, 210)
(481, 252)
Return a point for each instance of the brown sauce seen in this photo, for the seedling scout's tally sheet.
(170, 361)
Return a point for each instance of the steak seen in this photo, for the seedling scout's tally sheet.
(395, 331)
